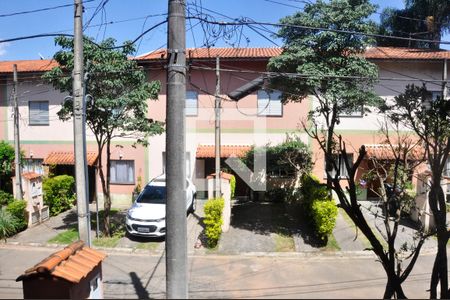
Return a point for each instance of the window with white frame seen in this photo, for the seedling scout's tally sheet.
(122, 171)
(38, 112)
(269, 103)
(33, 165)
(340, 163)
(191, 103)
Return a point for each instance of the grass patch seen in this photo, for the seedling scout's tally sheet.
(65, 237)
(107, 242)
(332, 244)
(148, 246)
(284, 243)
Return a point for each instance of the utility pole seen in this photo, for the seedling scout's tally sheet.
(217, 109)
(176, 236)
(78, 127)
(18, 173)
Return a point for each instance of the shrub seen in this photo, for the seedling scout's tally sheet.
(232, 185)
(213, 220)
(310, 190)
(318, 205)
(324, 214)
(8, 224)
(17, 210)
(5, 198)
(58, 193)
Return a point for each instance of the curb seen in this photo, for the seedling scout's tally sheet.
(202, 253)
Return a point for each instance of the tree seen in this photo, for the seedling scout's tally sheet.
(330, 66)
(429, 119)
(6, 166)
(421, 19)
(119, 89)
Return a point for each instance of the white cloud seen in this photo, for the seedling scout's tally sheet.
(3, 47)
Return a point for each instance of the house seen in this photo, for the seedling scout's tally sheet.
(257, 119)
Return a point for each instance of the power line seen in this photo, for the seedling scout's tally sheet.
(247, 23)
(39, 10)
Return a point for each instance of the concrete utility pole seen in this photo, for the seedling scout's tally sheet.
(176, 245)
(18, 171)
(217, 144)
(84, 231)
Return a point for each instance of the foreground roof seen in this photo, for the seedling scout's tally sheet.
(385, 53)
(73, 263)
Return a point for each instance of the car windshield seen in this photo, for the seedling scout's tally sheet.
(153, 194)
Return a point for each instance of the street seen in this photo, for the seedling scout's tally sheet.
(140, 275)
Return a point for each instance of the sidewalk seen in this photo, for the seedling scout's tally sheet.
(255, 228)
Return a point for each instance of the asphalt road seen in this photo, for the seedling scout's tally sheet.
(141, 275)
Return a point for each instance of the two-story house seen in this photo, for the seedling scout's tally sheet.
(257, 119)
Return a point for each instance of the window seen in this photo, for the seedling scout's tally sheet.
(357, 112)
(269, 103)
(340, 163)
(38, 112)
(122, 171)
(447, 168)
(191, 103)
(33, 165)
(435, 95)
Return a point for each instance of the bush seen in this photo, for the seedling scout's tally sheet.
(232, 185)
(5, 198)
(58, 193)
(324, 214)
(317, 204)
(8, 224)
(17, 210)
(213, 220)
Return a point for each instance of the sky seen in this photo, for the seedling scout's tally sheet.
(127, 19)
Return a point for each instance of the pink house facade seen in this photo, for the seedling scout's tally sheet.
(257, 119)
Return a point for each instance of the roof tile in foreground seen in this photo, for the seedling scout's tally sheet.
(73, 263)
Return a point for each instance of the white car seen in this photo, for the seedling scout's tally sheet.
(147, 215)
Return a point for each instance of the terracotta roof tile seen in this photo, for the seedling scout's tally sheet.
(384, 152)
(405, 53)
(27, 65)
(214, 52)
(389, 53)
(208, 151)
(73, 263)
(30, 175)
(67, 158)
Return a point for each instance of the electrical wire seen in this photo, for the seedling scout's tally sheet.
(39, 10)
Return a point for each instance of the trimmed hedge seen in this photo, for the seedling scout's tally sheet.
(59, 193)
(232, 185)
(213, 220)
(324, 214)
(17, 210)
(318, 206)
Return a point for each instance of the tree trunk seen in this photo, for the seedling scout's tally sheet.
(439, 273)
(105, 191)
(393, 288)
(107, 203)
